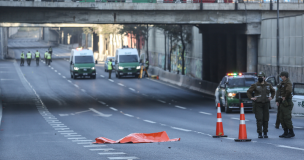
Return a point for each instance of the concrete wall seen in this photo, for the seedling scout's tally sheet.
(291, 57)
(193, 53)
(12, 31)
(3, 42)
(49, 36)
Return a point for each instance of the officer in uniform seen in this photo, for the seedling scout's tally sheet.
(22, 59)
(29, 58)
(49, 59)
(50, 52)
(37, 55)
(261, 100)
(278, 98)
(146, 67)
(45, 57)
(286, 105)
(110, 66)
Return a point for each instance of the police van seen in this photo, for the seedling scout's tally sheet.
(82, 64)
(127, 62)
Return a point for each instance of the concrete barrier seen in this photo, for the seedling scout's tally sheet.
(184, 81)
(0, 107)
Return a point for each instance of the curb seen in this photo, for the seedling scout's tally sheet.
(202, 86)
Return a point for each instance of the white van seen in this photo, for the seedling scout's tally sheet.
(127, 62)
(82, 63)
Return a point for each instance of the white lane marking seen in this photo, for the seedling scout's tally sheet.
(85, 143)
(66, 131)
(238, 119)
(120, 84)
(63, 77)
(76, 85)
(131, 89)
(52, 68)
(114, 109)
(161, 101)
(129, 115)
(83, 90)
(8, 79)
(296, 148)
(229, 138)
(72, 135)
(69, 81)
(56, 124)
(149, 121)
(145, 95)
(180, 107)
(99, 113)
(78, 138)
(181, 129)
(129, 158)
(62, 128)
(95, 145)
(102, 149)
(82, 111)
(81, 140)
(101, 76)
(102, 102)
(111, 80)
(63, 114)
(59, 126)
(297, 127)
(55, 70)
(205, 113)
(59, 73)
(111, 153)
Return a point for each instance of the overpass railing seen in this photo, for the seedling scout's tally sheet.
(169, 1)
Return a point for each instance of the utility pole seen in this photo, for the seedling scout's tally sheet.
(278, 39)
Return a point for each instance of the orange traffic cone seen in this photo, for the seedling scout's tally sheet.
(157, 77)
(242, 128)
(219, 125)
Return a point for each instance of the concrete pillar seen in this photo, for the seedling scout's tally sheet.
(252, 53)
(3, 42)
(241, 53)
(101, 47)
(213, 57)
(206, 62)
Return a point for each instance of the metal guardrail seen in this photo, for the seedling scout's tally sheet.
(169, 1)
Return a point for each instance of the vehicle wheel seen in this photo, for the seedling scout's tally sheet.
(74, 76)
(93, 77)
(118, 76)
(227, 110)
(71, 76)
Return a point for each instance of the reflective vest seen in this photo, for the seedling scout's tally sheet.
(46, 54)
(22, 55)
(37, 54)
(110, 65)
(49, 56)
(147, 64)
(29, 55)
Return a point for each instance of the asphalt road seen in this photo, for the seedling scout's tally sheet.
(48, 115)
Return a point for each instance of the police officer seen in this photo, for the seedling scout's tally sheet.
(261, 100)
(50, 52)
(278, 98)
(146, 67)
(286, 105)
(37, 55)
(22, 59)
(48, 59)
(45, 57)
(29, 58)
(110, 66)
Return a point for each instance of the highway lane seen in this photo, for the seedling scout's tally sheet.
(135, 105)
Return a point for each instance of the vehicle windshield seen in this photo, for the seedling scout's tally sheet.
(84, 59)
(113, 58)
(298, 89)
(128, 58)
(241, 81)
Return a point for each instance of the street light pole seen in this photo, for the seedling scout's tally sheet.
(278, 39)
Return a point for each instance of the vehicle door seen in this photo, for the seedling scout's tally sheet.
(222, 89)
(298, 99)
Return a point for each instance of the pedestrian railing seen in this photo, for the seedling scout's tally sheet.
(168, 1)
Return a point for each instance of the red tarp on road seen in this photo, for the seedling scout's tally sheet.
(140, 138)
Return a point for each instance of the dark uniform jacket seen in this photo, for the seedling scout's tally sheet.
(261, 92)
(278, 93)
(285, 89)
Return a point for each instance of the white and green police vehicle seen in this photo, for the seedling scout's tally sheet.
(298, 100)
(127, 62)
(82, 64)
(232, 90)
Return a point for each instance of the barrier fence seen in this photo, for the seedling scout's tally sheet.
(169, 1)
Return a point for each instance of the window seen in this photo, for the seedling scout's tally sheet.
(241, 82)
(84, 59)
(272, 81)
(298, 89)
(128, 58)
